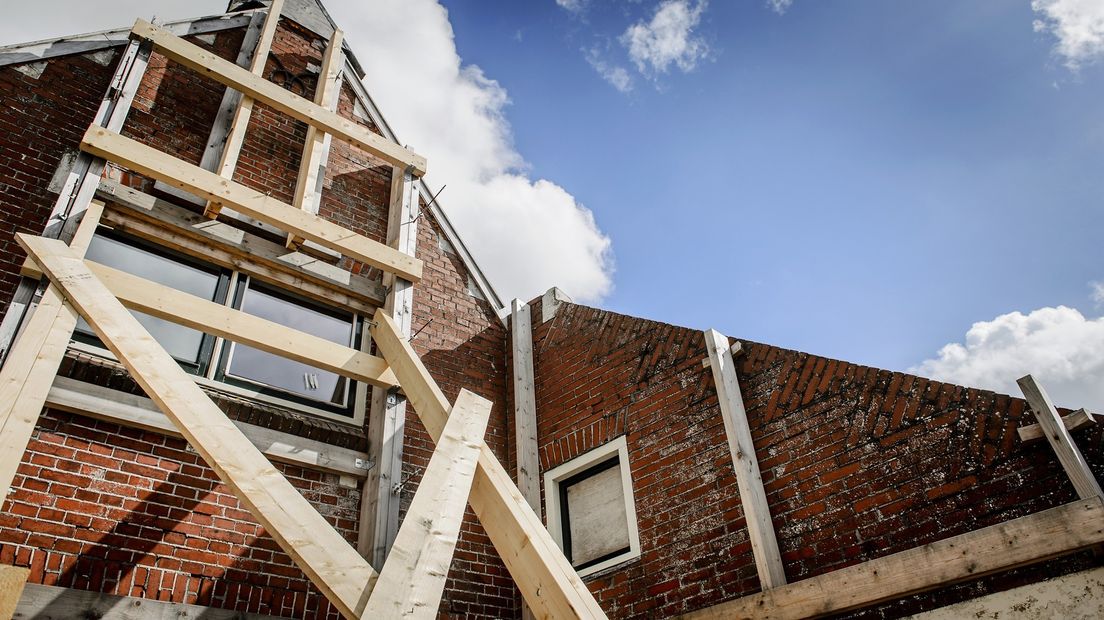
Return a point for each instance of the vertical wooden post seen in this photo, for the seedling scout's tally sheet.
(312, 166)
(240, 122)
(379, 507)
(1060, 440)
(525, 405)
(36, 356)
(764, 544)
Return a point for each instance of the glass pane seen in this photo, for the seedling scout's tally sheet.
(275, 371)
(596, 515)
(181, 342)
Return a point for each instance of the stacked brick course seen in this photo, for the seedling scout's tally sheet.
(857, 462)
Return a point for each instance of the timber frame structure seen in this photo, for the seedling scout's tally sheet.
(398, 570)
(461, 470)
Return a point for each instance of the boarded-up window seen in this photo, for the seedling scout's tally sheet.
(590, 508)
(593, 505)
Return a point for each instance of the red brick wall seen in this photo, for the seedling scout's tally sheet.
(104, 508)
(857, 462)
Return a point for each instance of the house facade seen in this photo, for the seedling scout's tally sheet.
(615, 430)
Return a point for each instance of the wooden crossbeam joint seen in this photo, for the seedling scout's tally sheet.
(1054, 429)
(737, 349)
(1072, 421)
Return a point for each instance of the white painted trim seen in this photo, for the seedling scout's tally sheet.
(616, 448)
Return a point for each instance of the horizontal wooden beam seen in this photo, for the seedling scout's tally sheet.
(1072, 421)
(412, 579)
(207, 316)
(219, 243)
(135, 411)
(549, 584)
(313, 544)
(1026, 540)
(46, 602)
(250, 85)
(210, 186)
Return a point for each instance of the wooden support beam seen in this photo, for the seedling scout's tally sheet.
(168, 225)
(764, 544)
(134, 411)
(1055, 432)
(12, 581)
(231, 149)
(260, 89)
(312, 166)
(549, 584)
(34, 360)
(380, 496)
(1019, 542)
(320, 551)
(1072, 421)
(525, 405)
(149, 161)
(213, 318)
(737, 349)
(53, 603)
(412, 580)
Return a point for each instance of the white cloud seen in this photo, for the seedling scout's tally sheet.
(1077, 24)
(616, 75)
(1097, 293)
(667, 39)
(1059, 346)
(527, 235)
(779, 6)
(574, 6)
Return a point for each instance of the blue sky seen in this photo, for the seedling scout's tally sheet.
(910, 185)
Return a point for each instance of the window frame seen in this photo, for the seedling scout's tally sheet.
(214, 349)
(581, 467)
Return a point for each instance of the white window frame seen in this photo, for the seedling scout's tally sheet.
(616, 448)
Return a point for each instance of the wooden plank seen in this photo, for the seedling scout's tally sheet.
(225, 322)
(34, 360)
(53, 603)
(12, 581)
(549, 585)
(1019, 542)
(1072, 421)
(380, 502)
(764, 543)
(1055, 432)
(312, 165)
(231, 149)
(224, 118)
(260, 89)
(525, 405)
(146, 217)
(412, 580)
(318, 549)
(149, 161)
(135, 411)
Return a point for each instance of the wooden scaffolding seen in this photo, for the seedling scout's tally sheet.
(462, 469)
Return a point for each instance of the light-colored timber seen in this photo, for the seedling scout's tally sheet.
(1072, 421)
(51, 602)
(260, 89)
(549, 584)
(412, 580)
(1019, 542)
(1060, 440)
(149, 161)
(753, 499)
(12, 581)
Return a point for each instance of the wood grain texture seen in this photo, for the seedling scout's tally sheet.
(1001, 547)
(1060, 440)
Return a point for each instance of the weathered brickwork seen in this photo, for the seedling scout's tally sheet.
(857, 462)
(100, 507)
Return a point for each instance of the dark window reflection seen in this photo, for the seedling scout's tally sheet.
(182, 343)
(271, 370)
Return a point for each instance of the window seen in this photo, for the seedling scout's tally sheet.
(591, 513)
(226, 365)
